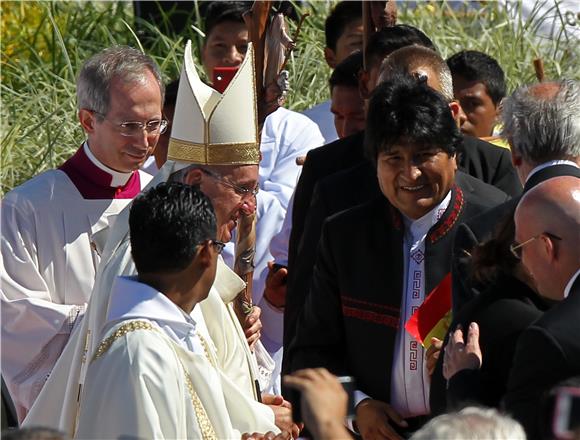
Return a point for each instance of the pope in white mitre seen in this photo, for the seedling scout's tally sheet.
(154, 374)
(214, 145)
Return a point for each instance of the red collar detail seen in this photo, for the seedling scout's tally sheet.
(444, 225)
(94, 183)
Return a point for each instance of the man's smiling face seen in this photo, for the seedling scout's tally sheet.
(415, 179)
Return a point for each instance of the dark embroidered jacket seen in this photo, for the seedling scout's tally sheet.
(351, 314)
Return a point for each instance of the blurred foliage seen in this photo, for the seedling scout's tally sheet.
(43, 45)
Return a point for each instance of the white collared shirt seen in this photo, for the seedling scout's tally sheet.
(409, 378)
(410, 387)
(118, 178)
(568, 287)
(550, 163)
(131, 299)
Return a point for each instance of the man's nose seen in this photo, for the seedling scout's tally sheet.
(233, 57)
(411, 170)
(249, 205)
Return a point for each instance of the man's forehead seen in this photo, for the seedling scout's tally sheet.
(409, 145)
(352, 29)
(419, 71)
(228, 29)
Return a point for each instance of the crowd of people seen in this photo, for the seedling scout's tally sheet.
(419, 233)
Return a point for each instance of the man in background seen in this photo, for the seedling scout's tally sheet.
(343, 31)
(479, 86)
(546, 239)
(538, 122)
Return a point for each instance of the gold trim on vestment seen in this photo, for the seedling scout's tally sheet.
(205, 426)
(207, 430)
(243, 153)
(121, 331)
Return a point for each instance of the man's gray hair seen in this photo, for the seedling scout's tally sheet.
(541, 128)
(471, 423)
(125, 63)
(409, 58)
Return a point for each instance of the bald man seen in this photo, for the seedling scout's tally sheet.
(539, 124)
(547, 238)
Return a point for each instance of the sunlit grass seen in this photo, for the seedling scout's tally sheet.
(43, 45)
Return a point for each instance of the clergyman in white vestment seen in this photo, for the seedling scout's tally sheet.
(55, 225)
(221, 163)
(166, 383)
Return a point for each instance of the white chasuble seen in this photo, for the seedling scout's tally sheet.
(70, 370)
(141, 384)
(409, 381)
(51, 242)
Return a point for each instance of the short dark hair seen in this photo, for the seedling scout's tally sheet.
(389, 39)
(166, 224)
(407, 109)
(343, 14)
(478, 66)
(346, 72)
(217, 12)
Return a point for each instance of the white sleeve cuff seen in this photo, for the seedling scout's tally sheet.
(272, 322)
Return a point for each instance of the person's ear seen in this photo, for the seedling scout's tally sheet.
(87, 120)
(193, 177)
(550, 251)
(457, 112)
(516, 157)
(330, 57)
(205, 255)
(454, 161)
(363, 87)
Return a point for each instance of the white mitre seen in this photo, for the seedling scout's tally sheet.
(212, 128)
(208, 128)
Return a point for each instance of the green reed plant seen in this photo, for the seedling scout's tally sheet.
(44, 43)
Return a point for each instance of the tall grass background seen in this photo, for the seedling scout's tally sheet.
(43, 45)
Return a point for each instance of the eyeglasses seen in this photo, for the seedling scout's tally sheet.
(218, 245)
(516, 248)
(135, 128)
(240, 190)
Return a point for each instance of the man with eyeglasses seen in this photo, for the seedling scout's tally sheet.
(214, 147)
(547, 225)
(540, 124)
(547, 238)
(55, 225)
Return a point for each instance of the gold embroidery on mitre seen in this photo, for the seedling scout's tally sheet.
(243, 153)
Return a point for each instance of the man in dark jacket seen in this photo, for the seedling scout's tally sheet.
(359, 184)
(377, 262)
(540, 150)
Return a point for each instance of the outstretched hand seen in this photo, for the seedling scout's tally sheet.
(460, 355)
(323, 402)
(374, 420)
